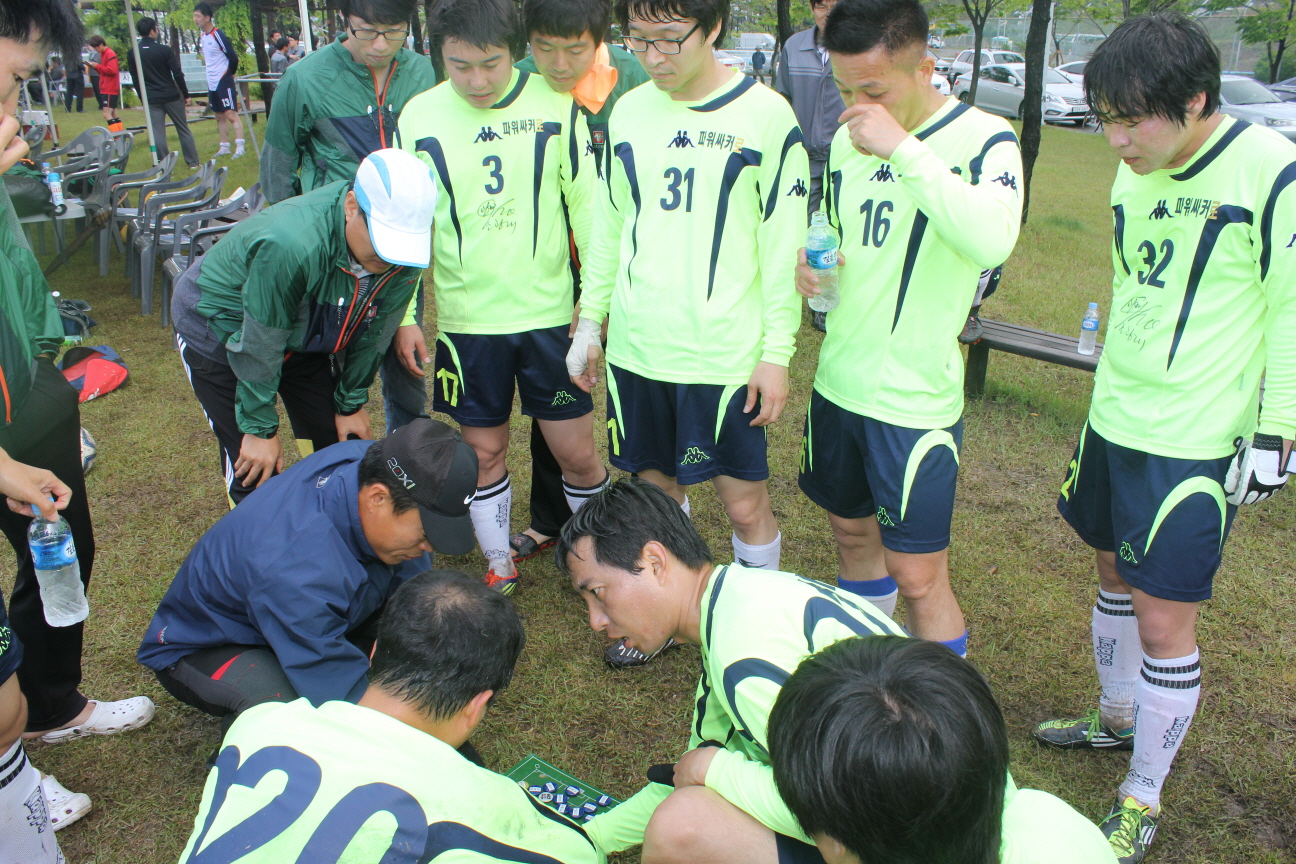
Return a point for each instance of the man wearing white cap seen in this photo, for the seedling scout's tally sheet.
(302, 300)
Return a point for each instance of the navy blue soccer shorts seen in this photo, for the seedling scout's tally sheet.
(223, 98)
(692, 432)
(854, 466)
(475, 375)
(11, 650)
(1165, 518)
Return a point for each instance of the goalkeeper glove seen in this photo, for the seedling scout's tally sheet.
(1256, 472)
(588, 333)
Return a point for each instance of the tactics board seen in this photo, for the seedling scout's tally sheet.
(577, 801)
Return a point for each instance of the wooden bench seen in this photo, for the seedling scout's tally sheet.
(1024, 341)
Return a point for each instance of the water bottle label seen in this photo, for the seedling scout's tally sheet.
(54, 556)
(822, 259)
(1089, 324)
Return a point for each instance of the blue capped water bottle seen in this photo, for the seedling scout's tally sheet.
(57, 571)
(821, 255)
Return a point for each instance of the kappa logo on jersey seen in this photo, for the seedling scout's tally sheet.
(884, 518)
(1196, 207)
(1007, 180)
(1127, 552)
(589, 147)
(883, 174)
(680, 140)
(563, 398)
(486, 134)
(693, 456)
(1161, 211)
(798, 189)
(1293, 242)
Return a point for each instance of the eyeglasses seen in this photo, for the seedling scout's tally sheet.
(663, 46)
(367, 35)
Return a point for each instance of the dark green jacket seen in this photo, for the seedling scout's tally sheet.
(630, 74)
(29, 320)
(327, 117)
(280, 283)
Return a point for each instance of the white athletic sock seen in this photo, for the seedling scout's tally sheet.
(224, 148)
(578, 495)
(1117, 655)
(491, 511)
(685, 507)
(763, 557)
(1164, 703)
(26, 834)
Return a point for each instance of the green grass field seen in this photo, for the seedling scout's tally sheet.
(1025, 581)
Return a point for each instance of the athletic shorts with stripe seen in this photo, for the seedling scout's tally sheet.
(223, 98)
(854, 466)
(691, 432)
(1166, 519)
(475, 376)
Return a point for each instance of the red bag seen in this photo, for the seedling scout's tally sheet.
(94, 371)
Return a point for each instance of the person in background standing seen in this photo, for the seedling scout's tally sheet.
(109, 92)
(805, 78)
(222, 63)
(758, 65)
(280, 60)
(296, 50)
(74, 86)
(167, 93)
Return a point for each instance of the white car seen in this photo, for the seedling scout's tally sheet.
(729, 60)
(1001, 90)
(963, 62)
(1074, 70)
(941, 84)
(1248, 99)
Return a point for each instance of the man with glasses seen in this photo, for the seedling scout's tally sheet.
(330, 111)
(708, 172)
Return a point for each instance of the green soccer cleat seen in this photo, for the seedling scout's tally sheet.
(1130, 827)
(1085, 732)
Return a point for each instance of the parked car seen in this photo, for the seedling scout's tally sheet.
(727, 59)
(1285, 90)
(1002, 91)
(941, 84)
(963, 62)
(1248, 99)
(942, 65)
(1074, 70)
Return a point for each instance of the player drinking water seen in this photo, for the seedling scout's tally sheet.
(923, 191)
(706, 172)
(1203, 304)
(509, 154)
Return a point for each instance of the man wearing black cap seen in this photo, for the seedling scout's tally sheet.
(276, 599)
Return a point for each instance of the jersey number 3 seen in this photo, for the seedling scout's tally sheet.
(496, 185)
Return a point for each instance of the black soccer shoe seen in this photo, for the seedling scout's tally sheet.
(622, 656)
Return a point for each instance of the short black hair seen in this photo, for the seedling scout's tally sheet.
(567, 19)
(55, 22)
(708, 13)
(859, 26)
(625, 517)
(480, 23)
(205, 8)
(145, 26)
(895, 748)
(1152, 66)
(386, 12)
(373, 469)
(96, 40)
(272, 32)
(281, 43)
(444, 638)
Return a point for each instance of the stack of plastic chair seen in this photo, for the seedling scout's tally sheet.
(118, 192)
(158, 224)
(195, 233)
(131, 219)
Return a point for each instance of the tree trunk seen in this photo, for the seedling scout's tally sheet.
(173, 34)
(1032, 116)
(1275, 68)
(258, 48)
(416, 30)
(978, 31)
(1125, 8)
(784, 28)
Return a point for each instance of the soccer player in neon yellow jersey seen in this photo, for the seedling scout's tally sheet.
(1203, 305)
(707, 181)
(647, 575)
(511, 157)
(392, 777)
(923, 192)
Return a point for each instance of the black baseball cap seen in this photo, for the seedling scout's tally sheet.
(439, 471)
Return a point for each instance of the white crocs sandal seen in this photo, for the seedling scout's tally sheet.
(108, 718)
(65, 807)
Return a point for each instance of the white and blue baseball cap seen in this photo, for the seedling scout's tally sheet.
(398, 195)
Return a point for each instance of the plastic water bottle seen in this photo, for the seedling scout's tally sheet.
(1089, 330)
(57, 571)
(821, 255)
(56, 191)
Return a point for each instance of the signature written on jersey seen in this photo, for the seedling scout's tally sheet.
(1139, 322)
(498, 215)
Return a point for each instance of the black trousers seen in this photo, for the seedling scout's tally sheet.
(305, 386)
(46, 433)
(549, 510)
(75, 91)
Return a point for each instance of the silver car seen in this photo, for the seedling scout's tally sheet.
(1002, 91)
(963, 62)
(1248, 99)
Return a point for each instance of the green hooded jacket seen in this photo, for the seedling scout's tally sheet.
(281, 283)
(328, 114)
(29, 320)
